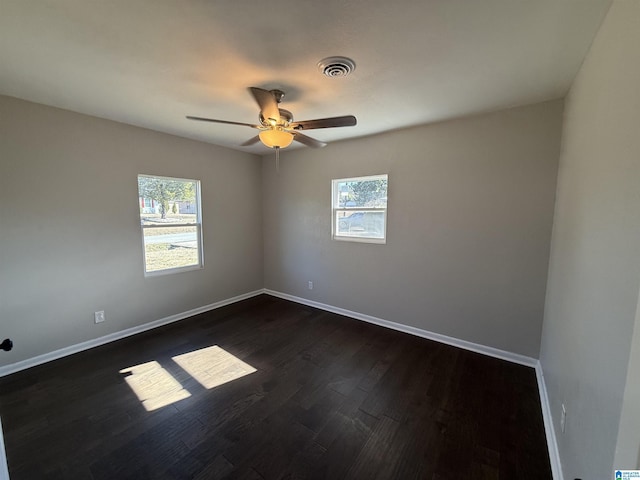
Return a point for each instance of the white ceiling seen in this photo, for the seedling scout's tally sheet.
(151, 62)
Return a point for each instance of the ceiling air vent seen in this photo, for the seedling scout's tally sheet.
(336, 66)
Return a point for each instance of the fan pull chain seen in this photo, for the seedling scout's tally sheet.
(277, 159)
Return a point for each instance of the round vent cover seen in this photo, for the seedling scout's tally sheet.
(336, 66)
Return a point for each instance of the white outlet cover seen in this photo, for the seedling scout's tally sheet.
(99, 316)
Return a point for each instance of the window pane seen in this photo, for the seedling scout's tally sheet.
(362, 193)
(354, 223)
(167, 200)
(170, 247)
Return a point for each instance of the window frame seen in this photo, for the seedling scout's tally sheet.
(335, 210)
(197, 224)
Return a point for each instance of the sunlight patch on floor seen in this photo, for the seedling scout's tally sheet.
(213, 366)
(154, 386)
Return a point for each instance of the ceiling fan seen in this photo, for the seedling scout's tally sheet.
(277, 127)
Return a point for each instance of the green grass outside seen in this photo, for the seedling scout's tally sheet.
(162, 256)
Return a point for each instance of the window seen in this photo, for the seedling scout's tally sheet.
(360, 209)
(171, 225)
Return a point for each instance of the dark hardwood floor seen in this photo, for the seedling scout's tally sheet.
(331, 397)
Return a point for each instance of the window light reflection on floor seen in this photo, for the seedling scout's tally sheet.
(154, 386)
(213, 366)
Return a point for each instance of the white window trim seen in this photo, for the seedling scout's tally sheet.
(335, 210)
(197, 224)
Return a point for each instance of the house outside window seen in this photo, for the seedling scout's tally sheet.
(170, 220)
(359, 209)
(147, 204)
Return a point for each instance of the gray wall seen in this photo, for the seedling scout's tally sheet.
(70, 227)
(594, 272)
(469, 224)
(628, 445)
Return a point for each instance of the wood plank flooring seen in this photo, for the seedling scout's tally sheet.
(331, 398)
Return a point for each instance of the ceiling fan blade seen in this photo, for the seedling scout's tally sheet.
(202, 119)
(251, 141)
(267, 102)
(308, 141)
(345, 121)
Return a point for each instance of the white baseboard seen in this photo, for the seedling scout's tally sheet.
(96, 342)
(4, 469)
(474, 347)
(552, 445)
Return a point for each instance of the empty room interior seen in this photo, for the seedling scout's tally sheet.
(334, 239)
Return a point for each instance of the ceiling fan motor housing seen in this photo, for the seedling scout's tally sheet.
(286, 117)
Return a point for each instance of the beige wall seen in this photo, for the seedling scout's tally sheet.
(70, 228)
(470, 214)
(594, 273)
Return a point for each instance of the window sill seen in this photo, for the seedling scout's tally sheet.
(169, 271)
(379, 241)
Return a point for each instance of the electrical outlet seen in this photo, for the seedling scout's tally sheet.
(310, 285)
(99, 316)
(563, 418)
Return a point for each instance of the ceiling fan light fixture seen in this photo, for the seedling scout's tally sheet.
(276, 138)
